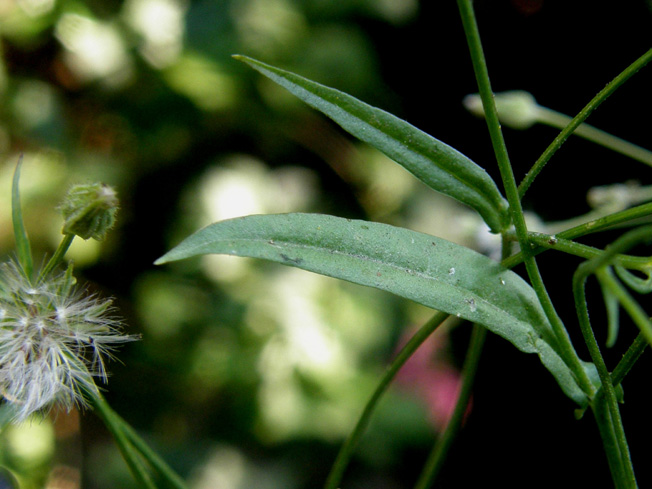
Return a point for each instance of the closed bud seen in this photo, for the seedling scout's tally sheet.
(516, 109)
(89, 210)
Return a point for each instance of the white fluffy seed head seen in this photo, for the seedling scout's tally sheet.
(54, 339)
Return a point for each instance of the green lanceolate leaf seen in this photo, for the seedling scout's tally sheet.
(423, 268)
(23, 248)
(436, 164)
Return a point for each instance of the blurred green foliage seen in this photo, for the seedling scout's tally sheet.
(248, 375)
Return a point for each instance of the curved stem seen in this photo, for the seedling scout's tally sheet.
(440, 450)
(580, 118)
(607, 417)
(633, 308)
(346, 451)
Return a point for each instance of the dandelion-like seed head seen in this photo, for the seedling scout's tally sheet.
(54, 340)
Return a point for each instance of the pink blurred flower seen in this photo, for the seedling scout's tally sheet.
(430, 376)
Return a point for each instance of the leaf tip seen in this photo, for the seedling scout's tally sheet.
(243, 58)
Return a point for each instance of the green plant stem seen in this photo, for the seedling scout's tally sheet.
(548, 241)
(580, 118)
(630, 357)
(607, 417)
(601, 224)
(347, 449)
(567, 352)
(437, 456)
(172, 478)
(638, 315)
(133, 447)
(598, 136)
(57, 258)
(635, 311)
(605, 423)
(626, 363)
(617, 219)
(115, 426)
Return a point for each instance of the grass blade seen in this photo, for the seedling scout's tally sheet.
(23, 248)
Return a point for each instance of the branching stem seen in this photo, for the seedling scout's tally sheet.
(576, 121)
(567, 351)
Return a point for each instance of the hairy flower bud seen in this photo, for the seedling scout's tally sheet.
(89, 210)
(54, 339)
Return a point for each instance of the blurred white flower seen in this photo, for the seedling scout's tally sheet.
(54, 339)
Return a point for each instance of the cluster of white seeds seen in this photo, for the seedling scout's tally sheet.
(54, 339)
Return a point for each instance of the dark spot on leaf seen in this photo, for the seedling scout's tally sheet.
(294, 261)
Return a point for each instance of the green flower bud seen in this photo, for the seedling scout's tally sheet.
(89, 210)
(516, 109)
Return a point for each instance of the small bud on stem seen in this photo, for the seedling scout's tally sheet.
(89, 210)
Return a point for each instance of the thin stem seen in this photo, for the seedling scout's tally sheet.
(347, 449)
(598, 136)
(630, 357)
(604, 421)
(590, 227)
(567, 351)
(57, 258)
(171, 477)
(626, 363)
(133, 447)
(554, 242)
(633, 308)
(437, 456)
(607, 222)
(609, 422)
(114, 425)
(580, 118)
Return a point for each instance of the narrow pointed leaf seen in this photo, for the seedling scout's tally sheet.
(433, 162)
(23, 248)
(613, 314)
(423, 268)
